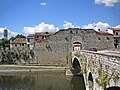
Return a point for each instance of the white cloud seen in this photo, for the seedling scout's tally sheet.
(108, 3)
(43, 4)
(42, 27)
(10, 33)
(118, 26)
(100, 25)
(111, 31)
(67, 25)
(89, 26)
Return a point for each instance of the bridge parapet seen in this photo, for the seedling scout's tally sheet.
(104, 68)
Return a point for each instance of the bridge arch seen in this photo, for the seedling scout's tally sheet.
(76, 65)
(76, 58)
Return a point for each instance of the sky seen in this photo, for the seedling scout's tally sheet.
(30, 16)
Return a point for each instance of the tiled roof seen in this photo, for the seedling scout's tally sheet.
(115, 29)
(116, 36)
(44, 33)
(103, 33)
(19, 41)
(30, 36)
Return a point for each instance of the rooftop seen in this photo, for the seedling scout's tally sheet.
(44, 33)
(103, 33)
(115, 29)
(116, 36)
(19, 41)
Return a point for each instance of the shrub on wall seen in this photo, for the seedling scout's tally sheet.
(69, 59)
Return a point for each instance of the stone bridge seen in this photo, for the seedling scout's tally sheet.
(101, 70)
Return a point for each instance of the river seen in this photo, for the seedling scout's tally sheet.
(41, 81)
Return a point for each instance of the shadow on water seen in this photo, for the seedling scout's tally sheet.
(48, 81)
(77, 82)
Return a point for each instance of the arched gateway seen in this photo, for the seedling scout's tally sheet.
(77, 43)
(77, 46)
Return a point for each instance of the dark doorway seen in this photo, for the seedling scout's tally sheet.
(76, 66)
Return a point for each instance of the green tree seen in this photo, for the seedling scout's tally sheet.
(4, 43)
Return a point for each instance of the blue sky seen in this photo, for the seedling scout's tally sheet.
(30, 16)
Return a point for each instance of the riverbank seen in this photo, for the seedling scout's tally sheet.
(32, 69)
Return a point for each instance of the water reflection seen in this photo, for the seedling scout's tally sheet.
(77, 83)
(49, 81)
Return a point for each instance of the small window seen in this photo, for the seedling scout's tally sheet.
(116, 33)
(22, 44)
(76, 31)
(107, 38)
(16, 45)
(28, 40)
(46, 32)
(28, 45)
(71, 32)
(98, 29)
(37, 36)
(98, 38)
(42, 37)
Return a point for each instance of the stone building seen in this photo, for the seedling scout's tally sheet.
(30, 41)
(41, 36)
(116, 36)
(18, 43)
(53, 50)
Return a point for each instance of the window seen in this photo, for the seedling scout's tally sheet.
(98, 38)
(42, 37)
(116, 33)
(107, 38)
(22, 44)
(16, 45)
(76, 31)
(37, 36)
(28, 45)
(71, 32)
(46, 33)
(28, 40)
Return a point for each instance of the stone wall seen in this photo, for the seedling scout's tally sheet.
(53, 50)
(17, 56)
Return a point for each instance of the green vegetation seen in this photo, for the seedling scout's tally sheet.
(77, 54)
(69, 59)
(102, 79)
(4, 43)
(16, 56)
(116, 76)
